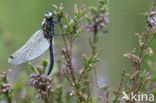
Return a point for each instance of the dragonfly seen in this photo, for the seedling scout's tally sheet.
(39, 42)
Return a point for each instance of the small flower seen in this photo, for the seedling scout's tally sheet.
(150, 51)
(97, 18)
(147, 79)
(42, 83)
(132, 57)
(38, 96)
(5, 86)
(72, 93)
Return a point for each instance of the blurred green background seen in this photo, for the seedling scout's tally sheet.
(19, 19)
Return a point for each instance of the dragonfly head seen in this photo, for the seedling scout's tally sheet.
(48, 15)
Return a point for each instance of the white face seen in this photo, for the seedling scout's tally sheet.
(48, 15)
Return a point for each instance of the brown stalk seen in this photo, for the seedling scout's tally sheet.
(107, 97)
(121, 84)
(81, 75)
(135, 84)
(69, 59)
(77, 92)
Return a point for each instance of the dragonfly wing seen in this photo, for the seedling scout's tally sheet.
(33, 48)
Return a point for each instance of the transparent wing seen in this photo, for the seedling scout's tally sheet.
(33, 48)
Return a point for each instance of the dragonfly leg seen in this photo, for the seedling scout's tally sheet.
(57, 34)
(55, 22)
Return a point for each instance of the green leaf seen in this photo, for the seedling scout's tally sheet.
(31, 66)
(39, 70)
(44, 63)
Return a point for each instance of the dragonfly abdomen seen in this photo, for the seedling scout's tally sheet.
(51, 57)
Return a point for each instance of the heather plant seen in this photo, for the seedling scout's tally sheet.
(5, 87)
(41, 82)
(140, 79)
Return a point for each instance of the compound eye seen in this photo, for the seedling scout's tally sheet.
(49, 13)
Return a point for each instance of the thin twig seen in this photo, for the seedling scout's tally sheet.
(120, 85)
(77, 92)
(107, 97)
(98, 88)
(69, 59)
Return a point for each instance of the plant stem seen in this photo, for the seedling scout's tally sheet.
(93, 53)
(69, 56)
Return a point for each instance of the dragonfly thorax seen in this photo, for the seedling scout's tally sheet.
(48, 28)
